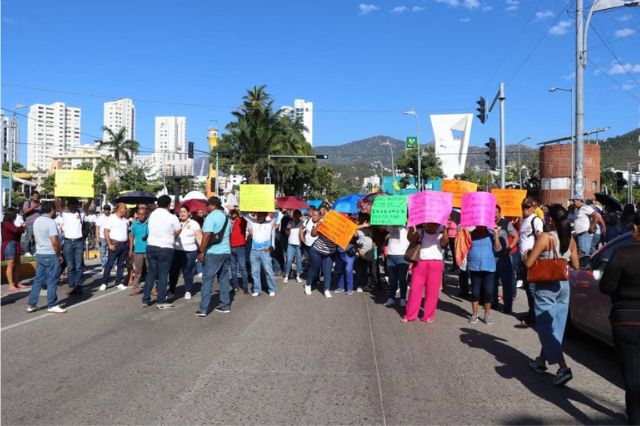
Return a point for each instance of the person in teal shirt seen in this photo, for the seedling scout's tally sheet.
(138, 246)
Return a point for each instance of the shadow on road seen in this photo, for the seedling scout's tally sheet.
(515, 366)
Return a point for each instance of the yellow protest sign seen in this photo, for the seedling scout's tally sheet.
(257, 198)
(337, 228)
(510, 201)
(458, 188)
(74, 183)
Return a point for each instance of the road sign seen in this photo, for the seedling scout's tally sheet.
(412, 142)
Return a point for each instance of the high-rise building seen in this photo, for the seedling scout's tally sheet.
(51, 130)
(119, 114)
(301, 111)
(171, 135)
(9, 138)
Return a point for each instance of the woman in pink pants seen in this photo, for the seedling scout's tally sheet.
(426, 275)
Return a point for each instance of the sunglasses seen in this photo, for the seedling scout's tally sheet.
(526, 206)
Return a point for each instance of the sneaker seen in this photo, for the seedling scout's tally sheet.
(31, 308)
(57, 310)
(339, 290)
(307, 290)
(349, 293)
(488, 320)
(403, 303)
(187, 296)
(255, 294)
(102, 287)
(170, 293)
(164, 305)
(298, 278)
(327, 294)
(223, 310)
(285, 280)
(145, 304)
(562, 376)
(359, 289)
(121, 287)
(201, 314)
(27, 254)
(390, 302)
(272, 294)
(519, 284)
(537, 365)
(473, 319)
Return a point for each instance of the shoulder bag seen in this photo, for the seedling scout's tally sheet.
(548, 270)
(413, 251)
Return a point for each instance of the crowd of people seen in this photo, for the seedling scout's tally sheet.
(151, 246)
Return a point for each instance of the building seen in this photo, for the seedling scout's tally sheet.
(168, 165)
(9, 138)
(171, 135)
(51, 130)
(76, 156)
(301, 111)
(119, 114)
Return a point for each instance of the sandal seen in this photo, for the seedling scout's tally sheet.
(24, 285)
(13, 288)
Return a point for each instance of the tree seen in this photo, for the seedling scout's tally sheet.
(118, 143)
(430, 165)
(476, 177)
(48, 185)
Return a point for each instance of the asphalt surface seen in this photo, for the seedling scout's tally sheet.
(291, 359)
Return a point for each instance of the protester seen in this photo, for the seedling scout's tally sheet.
(462, 245)
(138, 247)
(426, 274)
(215, 254)
(308, 224)
(48, 259)
(31, 210)
(320, 257)
(366, 255)
(100, 224)
(239, 252)
(397, 265)
(584, 226)
(73, 246)
(481, 263)
(551, 299)
(530, 228)
(508, 238)
(452, 231)
(116, 234)
(186, 253)
(11, 251)
(261, 232)
(621, 280)
(163, 229)
(292, 232)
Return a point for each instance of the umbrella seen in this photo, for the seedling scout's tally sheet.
(194, 205)
(315, 203)
(608, 200)
(290, 202)
(137, 197)
(364, 205)
(348, 203)
(194, 195)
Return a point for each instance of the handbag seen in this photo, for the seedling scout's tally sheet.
(547, 270)
(413, 251)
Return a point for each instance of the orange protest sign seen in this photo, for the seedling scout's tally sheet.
(510, 201)
(337, 228)
(458, 188)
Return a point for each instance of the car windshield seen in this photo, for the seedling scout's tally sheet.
(603, 255)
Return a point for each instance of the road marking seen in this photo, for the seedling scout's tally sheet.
(92, 299)
(375, 361)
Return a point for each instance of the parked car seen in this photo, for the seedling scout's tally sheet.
(588, 308)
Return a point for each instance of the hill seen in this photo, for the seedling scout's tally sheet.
(618, 150)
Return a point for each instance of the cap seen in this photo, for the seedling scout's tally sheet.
(214, 201)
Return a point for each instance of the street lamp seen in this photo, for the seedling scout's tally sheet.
(573, 153)
(415, 114)
(393, 167)
(519, 162)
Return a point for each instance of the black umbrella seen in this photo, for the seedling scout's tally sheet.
(137, 197)
(609, 201)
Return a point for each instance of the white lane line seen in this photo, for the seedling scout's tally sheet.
(375, 360)
(92, 299)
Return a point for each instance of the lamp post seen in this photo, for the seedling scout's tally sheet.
(573, 152)
(393, 167)
(415, 114)
(520, 162)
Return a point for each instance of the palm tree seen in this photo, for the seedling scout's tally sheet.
(118, 143)
(105, 171)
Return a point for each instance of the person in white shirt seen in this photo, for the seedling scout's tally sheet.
(116, 233)
(261, 232)
(530, 228)
(100, 223)
(186, 252)
(163, 230)
(73, 246)
(397, 265)
(292, 232)
(584, 225)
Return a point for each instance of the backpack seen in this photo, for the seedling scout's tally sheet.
(87, 227)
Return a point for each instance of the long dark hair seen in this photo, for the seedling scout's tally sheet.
(10, 215)
(562, 225)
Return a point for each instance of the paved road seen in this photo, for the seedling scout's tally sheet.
(291, 359)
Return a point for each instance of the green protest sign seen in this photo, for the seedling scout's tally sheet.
(389, 210)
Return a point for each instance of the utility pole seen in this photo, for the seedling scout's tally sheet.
(581, 62)
(503, 142)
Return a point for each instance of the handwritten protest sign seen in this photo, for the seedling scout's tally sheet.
(478, 209)
(458, 188)
(430, 206)
(257, 198)
(73, 183)
(510, 201)
(389, 210)
(337, 228)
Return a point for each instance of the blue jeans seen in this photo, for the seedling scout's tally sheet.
(28, 245)
(293, 251)
(481, 286)
(72, 251)
(185, 262)
(504, 273)
(214, 264)
(104, 252)
(119, 255)
(158, 266)
(344, 267)
(260, 257)
(584, 243)
(551, 307)
(319, 260)
(397, 268)
(47, 272)
(239, 264)
(597, 238)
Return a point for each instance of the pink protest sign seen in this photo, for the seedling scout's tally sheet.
(429, 206)
(478, 209)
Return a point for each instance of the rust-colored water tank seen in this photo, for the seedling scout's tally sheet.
(555, 172)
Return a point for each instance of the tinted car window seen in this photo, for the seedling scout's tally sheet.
(603, 255)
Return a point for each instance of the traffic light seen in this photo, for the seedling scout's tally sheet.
(491, 153)
(322, 157)
(482, 110)
(620, 181)
(190, 150)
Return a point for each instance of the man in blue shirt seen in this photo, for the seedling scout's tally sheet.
(215, 257)
(138, 247)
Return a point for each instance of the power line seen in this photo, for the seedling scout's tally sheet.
(606, 74)
(614, 55)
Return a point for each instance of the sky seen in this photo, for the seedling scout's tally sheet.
(360, 63)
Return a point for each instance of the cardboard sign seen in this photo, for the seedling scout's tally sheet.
(478, 209)
(510, 201)
(257, 198)
(389, 210)
(74, 183)
(337, 228)
(430, 206)
(458, 188)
